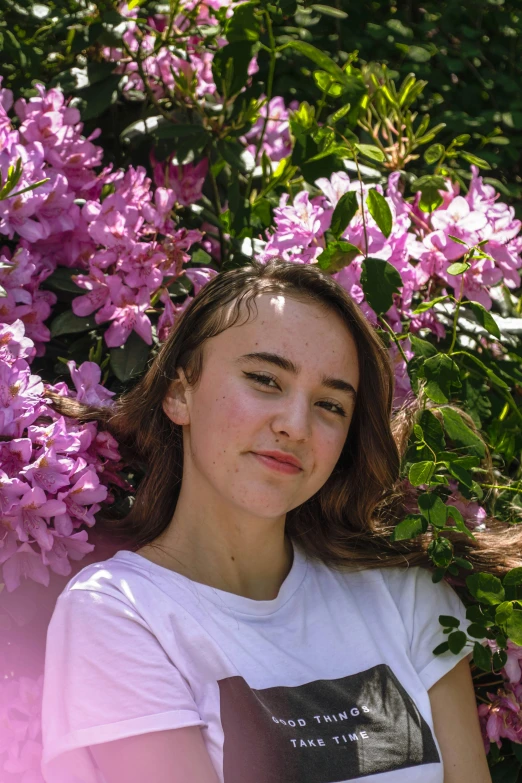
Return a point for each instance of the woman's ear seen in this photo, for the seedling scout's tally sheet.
(175, 401)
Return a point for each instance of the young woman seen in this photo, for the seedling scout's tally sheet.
(260, 628)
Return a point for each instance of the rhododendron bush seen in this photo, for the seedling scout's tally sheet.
(103, 245)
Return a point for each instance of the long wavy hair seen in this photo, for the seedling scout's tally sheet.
(349, 520)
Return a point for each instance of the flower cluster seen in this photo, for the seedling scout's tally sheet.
(53, 471)
(420, 245)
(187, 72)
(502, 716)
(44, 220)
(140, 253)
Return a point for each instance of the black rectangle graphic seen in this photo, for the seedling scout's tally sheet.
(326, 731)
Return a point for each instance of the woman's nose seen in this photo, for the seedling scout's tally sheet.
(294, 419)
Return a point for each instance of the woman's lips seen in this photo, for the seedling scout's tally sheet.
(274, 464)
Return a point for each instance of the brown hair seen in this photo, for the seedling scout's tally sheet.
(349, 520)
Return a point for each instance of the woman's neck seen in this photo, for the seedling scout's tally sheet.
(251, 560)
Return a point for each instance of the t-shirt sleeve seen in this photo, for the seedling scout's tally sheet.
(420, 602)
(106, 677)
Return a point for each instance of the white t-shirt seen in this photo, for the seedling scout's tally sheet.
(326, 683)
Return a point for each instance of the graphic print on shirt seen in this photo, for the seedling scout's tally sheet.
(326, 731)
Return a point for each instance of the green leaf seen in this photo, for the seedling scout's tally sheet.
(441, 648)
(97, 98)
(477, 631)
(458, 268)
(69, 323)
(329, 10)
(336, 256)
(413, 525)
(503, 612)
(422, 347)
(456, 516)
(327, 84)
(485, 318)
(442, 374)
(486, 588)
(429, 186)
(513, 577)
(344, 211)
(428, 305)
(244, 24)
(478, 614)
(433, 509)
(460, 433)
(433, 431)
(493, 377)
(417, 430)
(129, 361)
(230, 67)
(482, 656)
(434, 153)
(321, 59)
(61, 280)
(441, 551)
(465, 564)
(380, 211)
(448, 621)
(340, 113)
(416, 53)
(457, 240)
(379, 281)
(421, 472)
(475, 160)
(514, 627)
(462, 475)
(507, 770)
(371, 151)
(499, 660)
(457, 641)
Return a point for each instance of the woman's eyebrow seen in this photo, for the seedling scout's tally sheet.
(287, 364)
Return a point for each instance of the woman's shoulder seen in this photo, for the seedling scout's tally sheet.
(118, 575)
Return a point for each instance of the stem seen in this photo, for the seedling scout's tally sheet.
(150, 95)
(362, 206)
(456, 317)
(269, 91)
(394, 338)
(497, 486)
(217, 207)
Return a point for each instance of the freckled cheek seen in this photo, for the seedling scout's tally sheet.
(329, 450)
(226, 418)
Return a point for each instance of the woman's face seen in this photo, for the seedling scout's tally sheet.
(244, 405)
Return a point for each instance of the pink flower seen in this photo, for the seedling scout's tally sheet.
(184, 181)
(96, 284)
(458, 219)
(13, 343)
(27, 563)
(80, 503)
(29, 518)
(65, 549)
(49, 471)
(335, 187)
(127, 311)
(86, 379)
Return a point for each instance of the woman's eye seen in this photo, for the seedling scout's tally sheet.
(264, 380)
(335, 408)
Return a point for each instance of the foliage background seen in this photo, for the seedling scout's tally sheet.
(465, 58)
